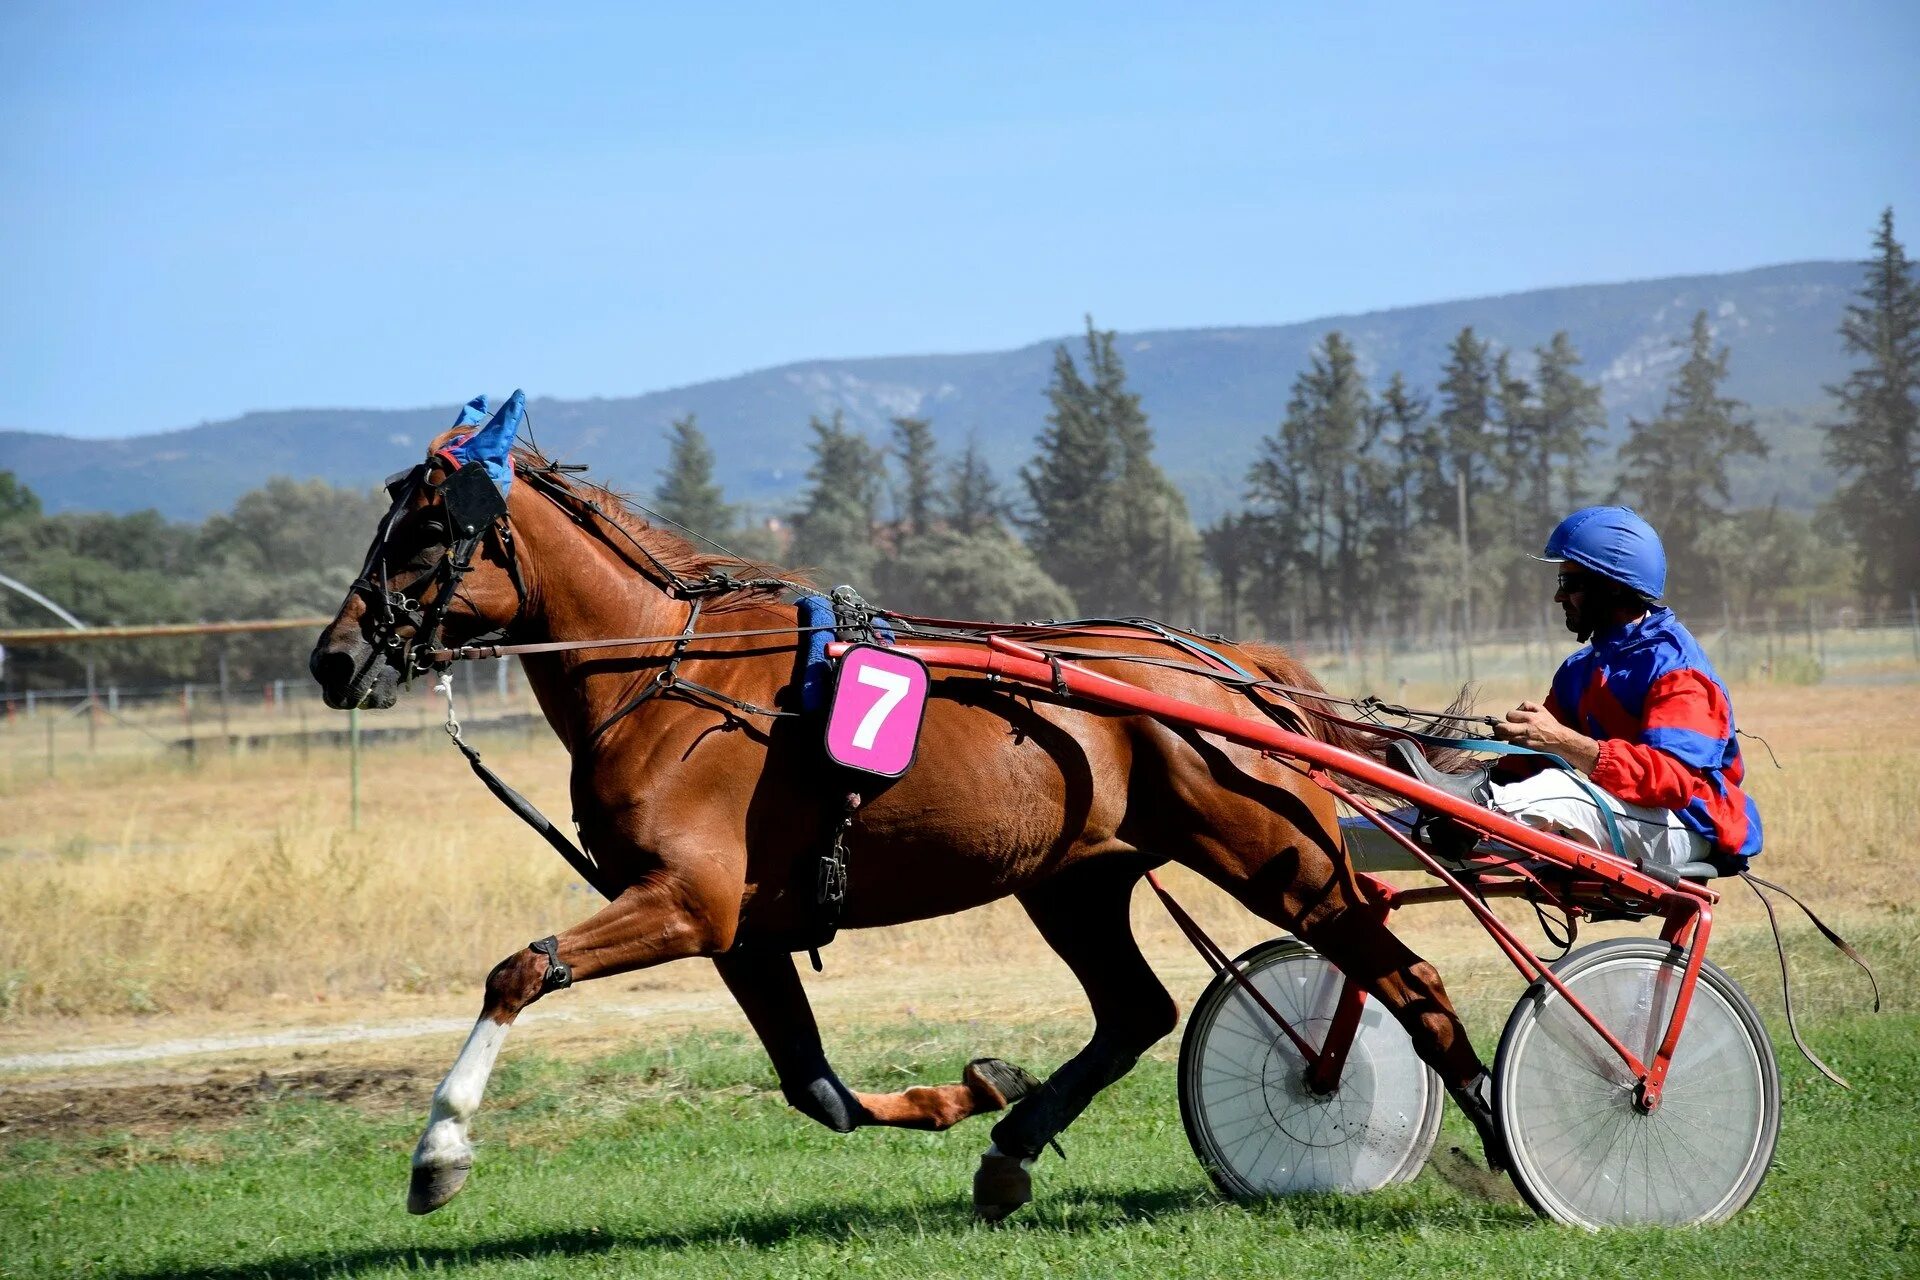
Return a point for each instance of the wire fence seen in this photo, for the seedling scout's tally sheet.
(44, 732)
(187, 721)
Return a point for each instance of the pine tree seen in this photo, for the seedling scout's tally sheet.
(1400, 458)
(1571, 415)
(1275, 529)
(913, 444)
(17, 502)
(1466, 413)
(1230, 549)
(972, 502)
(1507, 529)
(687, 494)
(1305, 481)
(1069, 485)
(1341, 423)
(1675, 467)
(833, 532)
(1107, 523)
(1874, 443)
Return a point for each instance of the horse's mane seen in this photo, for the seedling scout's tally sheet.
(680, 554)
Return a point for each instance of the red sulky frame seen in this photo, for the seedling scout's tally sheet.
(1590, 880)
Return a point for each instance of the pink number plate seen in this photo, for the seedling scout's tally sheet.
(878, 700)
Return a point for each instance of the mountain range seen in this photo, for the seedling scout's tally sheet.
(1210, 394)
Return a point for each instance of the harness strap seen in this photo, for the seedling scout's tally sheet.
(1786, 987)
(524, 809)
(830, 882)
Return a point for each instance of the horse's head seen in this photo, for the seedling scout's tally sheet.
(441, 569)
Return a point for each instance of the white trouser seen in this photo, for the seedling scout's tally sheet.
(1552, 801)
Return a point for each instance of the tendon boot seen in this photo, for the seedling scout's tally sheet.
(1442, 834)
(1475, 1099)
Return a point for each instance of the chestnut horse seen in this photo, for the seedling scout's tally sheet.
(707, 822)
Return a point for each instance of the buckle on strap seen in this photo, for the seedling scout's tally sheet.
(558, 974)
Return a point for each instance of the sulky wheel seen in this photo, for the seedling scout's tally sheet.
(1255, 1125)
(1582, 1152)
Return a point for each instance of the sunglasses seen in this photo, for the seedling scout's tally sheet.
(1571, 582)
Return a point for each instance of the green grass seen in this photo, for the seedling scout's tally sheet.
(684, 1162)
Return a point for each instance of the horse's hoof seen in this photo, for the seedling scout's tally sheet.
(1000, 1186)
(433, 1185)
(998, 1084)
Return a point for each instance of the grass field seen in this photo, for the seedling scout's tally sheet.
(681, 1160)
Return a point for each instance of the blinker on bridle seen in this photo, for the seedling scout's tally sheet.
(473, 505)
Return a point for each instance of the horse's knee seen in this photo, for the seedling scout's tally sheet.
(522, 978)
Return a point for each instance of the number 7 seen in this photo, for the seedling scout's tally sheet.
(893, 687)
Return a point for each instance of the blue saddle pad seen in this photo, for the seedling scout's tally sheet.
(816, 672)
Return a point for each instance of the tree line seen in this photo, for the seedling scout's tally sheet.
(1368, 506)
(1373, 504)
(286, 549)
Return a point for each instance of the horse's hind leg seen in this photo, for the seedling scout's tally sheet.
(1083, 916)
(651, 922)
(1318, 899)
(767, 987)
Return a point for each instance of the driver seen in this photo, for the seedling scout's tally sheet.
(1637, 711)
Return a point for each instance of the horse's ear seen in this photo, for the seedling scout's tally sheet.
(492, 445)
(472, 414)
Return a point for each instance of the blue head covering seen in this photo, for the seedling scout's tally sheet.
(492, 444)
(1614, 542)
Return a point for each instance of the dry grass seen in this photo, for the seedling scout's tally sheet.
(141, 887)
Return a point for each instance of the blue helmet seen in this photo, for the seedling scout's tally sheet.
(1613, 542)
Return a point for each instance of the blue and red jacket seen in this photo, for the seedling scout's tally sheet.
(1647, 693)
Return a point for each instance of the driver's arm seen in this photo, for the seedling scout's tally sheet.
(1684, 733)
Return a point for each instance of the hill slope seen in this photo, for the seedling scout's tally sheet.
(1211, 394)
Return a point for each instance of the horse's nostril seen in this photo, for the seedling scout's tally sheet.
(331, 668)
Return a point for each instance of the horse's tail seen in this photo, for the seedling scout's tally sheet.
(1281, 667)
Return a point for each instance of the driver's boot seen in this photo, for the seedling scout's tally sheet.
(1443, 835)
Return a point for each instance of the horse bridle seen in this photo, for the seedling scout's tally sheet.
(403, 622)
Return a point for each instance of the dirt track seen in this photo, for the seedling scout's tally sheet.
(223, 1097)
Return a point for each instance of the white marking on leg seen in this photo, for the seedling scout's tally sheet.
(458, 1098)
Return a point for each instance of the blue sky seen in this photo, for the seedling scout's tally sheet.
(206, 208)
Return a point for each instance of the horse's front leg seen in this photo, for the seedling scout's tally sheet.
(767, 986)
(657, 920)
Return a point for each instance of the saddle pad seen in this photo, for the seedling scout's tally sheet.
(816, 672)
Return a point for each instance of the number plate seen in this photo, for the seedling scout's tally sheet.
(879, 697)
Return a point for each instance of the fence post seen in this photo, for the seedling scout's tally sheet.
(1913, 621)
(93, 709)
(226, 730)
(50, 722)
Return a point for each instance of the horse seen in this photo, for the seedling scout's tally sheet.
(706, 818)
